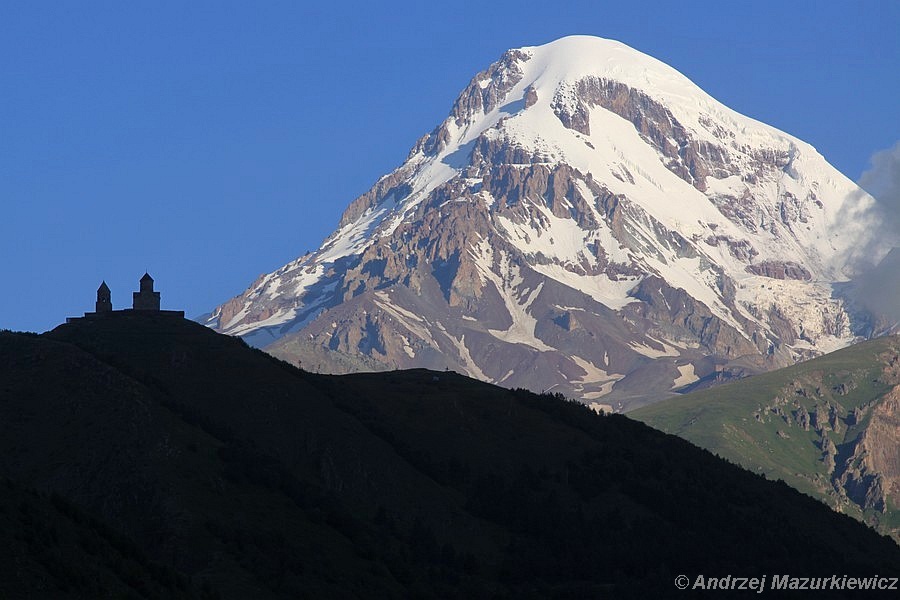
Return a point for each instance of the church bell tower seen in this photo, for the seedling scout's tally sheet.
(104, 299)
(146, 299)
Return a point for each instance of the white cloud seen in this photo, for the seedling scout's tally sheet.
(878, 290)
(883, 182)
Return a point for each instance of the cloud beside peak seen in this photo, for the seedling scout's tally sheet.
(882, 181)
(878, 289)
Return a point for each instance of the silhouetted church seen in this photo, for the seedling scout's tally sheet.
(143, 301)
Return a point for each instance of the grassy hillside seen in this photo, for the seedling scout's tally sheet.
(246, 477)
(828, 427)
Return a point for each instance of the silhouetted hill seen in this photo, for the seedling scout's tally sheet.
(241, 476)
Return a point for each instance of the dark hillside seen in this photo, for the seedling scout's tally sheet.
(251, 478)
(51, 549)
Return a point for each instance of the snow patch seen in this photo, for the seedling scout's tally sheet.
(651, 352)
(612, 294)
(594, 377)
(685, 377)
(471, 367)
(517, 301)
(407, 347)
(413, 323)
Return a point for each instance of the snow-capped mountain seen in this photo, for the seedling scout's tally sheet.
(588, 221)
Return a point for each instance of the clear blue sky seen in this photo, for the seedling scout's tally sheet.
(210, 142)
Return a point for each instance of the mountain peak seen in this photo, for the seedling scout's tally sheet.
(584, 213)
(574, 57)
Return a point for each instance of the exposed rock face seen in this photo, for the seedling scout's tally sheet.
(860, 445)
(691, 160)
(874, 468)
(780, 270)
(586, 220)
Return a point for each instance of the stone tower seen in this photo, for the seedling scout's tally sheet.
(104, 299)
(146, 299)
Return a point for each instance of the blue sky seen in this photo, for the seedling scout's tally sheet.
(210, 142)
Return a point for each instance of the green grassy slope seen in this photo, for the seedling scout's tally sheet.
(802, 424)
